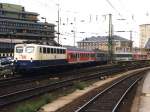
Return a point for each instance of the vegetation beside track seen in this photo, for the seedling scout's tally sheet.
(33, 106)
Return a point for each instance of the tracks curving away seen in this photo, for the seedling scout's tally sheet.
(109, 99)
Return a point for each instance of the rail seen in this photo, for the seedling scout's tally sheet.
(110, 98)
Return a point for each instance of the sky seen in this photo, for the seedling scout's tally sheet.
(90, 17)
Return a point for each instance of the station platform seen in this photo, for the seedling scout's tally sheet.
(145, 95)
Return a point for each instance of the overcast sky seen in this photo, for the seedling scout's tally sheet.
(91, 16)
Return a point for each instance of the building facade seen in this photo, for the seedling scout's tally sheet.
(147, 48)
(144, 34)
(18, 25)
(120, 44)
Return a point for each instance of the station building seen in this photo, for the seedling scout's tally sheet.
(120, 44)
(18, 26)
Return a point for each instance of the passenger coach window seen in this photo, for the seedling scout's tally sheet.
(64, 51)
(19, 49)
(48, 50)
(52, 50)
(61, 51)
(29, 49)
(57, 51)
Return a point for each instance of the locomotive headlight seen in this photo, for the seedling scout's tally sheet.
(31, 60)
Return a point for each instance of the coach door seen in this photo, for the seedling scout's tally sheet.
(78, 57)
(40, 54)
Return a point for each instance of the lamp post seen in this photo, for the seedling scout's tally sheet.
(58, 22)
(110, 43)
(123, 19)
(83, 38)
(44, 40)
(130, 41)
(11, 44)
(44, 19)
(74, 35)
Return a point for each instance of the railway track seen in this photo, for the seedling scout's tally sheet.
(20, 80)
(69, 74)
(109, 99)
(22, 83)
(33, 91)
(27, 92)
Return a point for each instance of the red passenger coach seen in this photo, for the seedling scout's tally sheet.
(76, 55)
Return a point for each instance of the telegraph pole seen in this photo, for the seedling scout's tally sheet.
(130, 41)
(74, 36)
(110, 46)
(58, 23)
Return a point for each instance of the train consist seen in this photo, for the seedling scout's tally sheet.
(30, 57)
(34, 56)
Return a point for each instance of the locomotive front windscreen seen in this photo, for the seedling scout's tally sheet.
(19, 49)
(29, 49)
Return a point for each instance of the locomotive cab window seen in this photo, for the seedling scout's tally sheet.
(29, 49)
(19, 49)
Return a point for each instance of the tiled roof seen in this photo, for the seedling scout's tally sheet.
(103, 39)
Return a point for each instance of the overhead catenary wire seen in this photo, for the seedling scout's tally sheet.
(91, 18)
(132, 15)
(113, 7)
